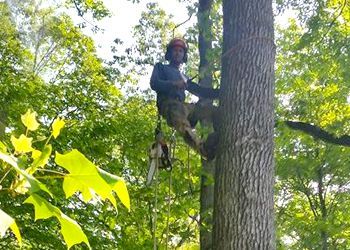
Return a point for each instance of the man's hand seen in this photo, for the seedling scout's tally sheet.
(180, 84)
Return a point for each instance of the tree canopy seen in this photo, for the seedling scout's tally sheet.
(66, 112)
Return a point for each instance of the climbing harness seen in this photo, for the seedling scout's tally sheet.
(159, 154)
(160, 158)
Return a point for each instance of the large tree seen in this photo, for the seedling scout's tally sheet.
(205, 39)
(243, 207)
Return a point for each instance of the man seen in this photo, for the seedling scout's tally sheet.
(170, 84)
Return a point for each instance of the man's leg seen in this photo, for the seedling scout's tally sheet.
(176, 113)
(203, 111)
(208, 113)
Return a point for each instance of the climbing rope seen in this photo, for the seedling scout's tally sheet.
(168, 167)
(172, 157)
(190, 184)
(160, 163)
(157, 135)
(168, 212)
(155, 206)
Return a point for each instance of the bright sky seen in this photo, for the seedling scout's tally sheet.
(125, 15)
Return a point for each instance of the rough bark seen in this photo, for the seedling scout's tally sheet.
(243, 200)
(208, 168)
(206, 205)
(204, 42)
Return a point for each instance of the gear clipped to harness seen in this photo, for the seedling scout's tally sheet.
(159, 155)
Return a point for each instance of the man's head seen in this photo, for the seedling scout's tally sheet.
(176, 51)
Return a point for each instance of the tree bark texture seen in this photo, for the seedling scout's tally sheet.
(204, 42)
(243, 201)
(208, 168)
(206, 205)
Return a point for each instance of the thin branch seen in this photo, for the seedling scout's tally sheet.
(308, 196)
(178, 25)
(81, 14)
(46, 56)
(332, 202)
(51, 171)
(3, 178)
(50, 177)
(61, 68)
(319, 133)
(332, 23)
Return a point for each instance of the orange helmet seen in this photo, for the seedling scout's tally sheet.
(176, 42)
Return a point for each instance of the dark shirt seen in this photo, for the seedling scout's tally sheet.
(162, 80)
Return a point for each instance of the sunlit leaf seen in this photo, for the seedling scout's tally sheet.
(23, 144)
(57, 125)
(3, 147)
(29, 120)
(118, 185)
(6, 221)
(83, 176)
(35, 185)
(42, 159)
(36, 154)
(70, 229)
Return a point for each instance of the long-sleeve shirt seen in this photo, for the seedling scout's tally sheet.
(162, 80)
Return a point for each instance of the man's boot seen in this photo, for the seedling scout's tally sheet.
(209, 147)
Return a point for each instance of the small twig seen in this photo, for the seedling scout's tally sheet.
(178, 25)
(81, 14)
(3, 178)
(332, 23)
(51, 171)
(50, 177)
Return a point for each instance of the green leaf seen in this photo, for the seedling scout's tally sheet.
(36, 154)
(83, 176)
(70, 229)
(42, 159)
(35, 185)
(118, 185)
(72, 184)
(6, 221)
(57, 125)
(29, 120)
(23, 144)
(3, 147)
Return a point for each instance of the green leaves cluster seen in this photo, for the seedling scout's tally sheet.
(312, 192)
(83, 176)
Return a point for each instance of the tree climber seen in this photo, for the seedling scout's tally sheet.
(170, 84)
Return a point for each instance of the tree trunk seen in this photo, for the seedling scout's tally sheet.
(206, 205)
(323, 207)
(208, 168)
(205, 39)
(243, 201)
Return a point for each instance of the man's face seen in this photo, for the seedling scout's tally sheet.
(177, 54)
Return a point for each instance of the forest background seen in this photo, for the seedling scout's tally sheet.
(51, 63)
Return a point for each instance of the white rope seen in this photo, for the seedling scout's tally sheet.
(168, 213)
(155, 205)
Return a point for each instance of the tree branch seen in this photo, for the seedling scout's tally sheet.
(319, 133)
(178, 25)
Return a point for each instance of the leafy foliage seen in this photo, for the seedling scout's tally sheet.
(312, 177)
(50, 66)
(83, 176)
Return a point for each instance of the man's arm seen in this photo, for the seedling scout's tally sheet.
(202, 91)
